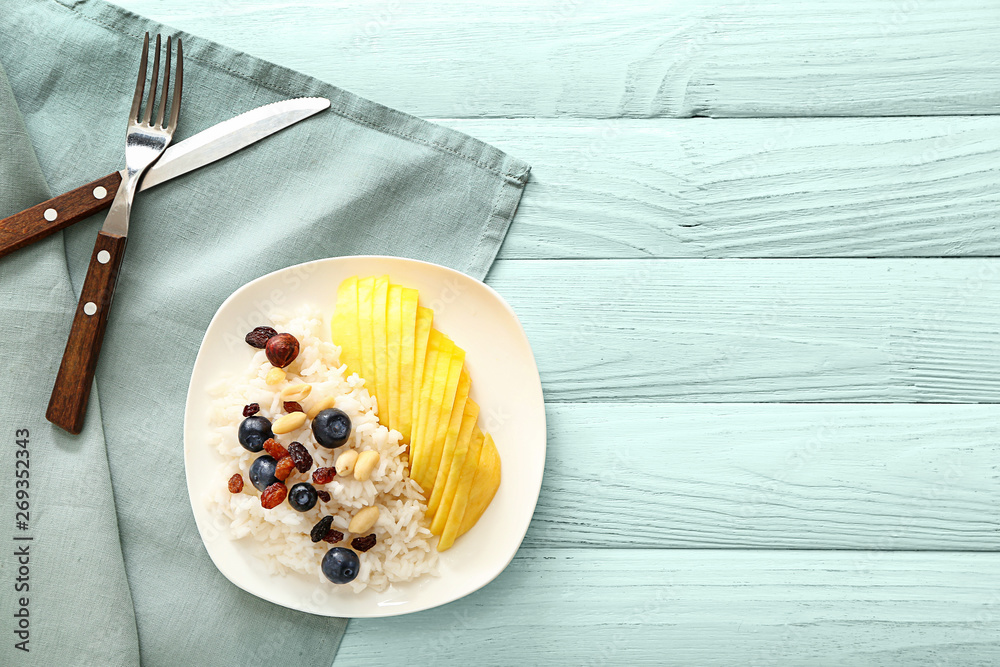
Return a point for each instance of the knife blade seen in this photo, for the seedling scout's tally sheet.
(207, 146)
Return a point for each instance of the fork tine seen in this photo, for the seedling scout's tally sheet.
(178, 81)
(141, 83)
(151, 101)
(166, 87)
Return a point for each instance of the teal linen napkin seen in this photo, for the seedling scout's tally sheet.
(360, 178)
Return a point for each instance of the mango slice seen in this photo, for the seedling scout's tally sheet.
(344, 327)
(437, 378)
(447, 477)
(422, 399)
(366, 287)
(435, 450)
(458, 507)
(380, 383)
(408, 332)
(393, 316)
(484, 487)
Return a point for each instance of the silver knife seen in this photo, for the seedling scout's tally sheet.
(207, 146)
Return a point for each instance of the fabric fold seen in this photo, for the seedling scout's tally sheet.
(358, 179)
(66, 596)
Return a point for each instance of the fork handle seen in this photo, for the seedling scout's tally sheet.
(32, 225)
(68, 403)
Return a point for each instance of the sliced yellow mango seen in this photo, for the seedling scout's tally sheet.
(438, 379)
(344, 327)
(461, 501)
(380, 382)
(392, 345)
(408, 331)
(423, 396)
(366, 287)
(453, 457)
(449, 396)
(484, 487)
(425, 318)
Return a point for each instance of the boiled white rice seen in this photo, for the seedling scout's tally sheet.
(280, 536)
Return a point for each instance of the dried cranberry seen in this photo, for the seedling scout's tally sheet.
(324, 475)
(284, 468)
(258, 337)
(303, 459)
(251, 410)
(275, 449)
(320, 530)
(333, 537)
(236, 483)
(363, 544)
(323, 495)
(282, 349)
(273, 495)
(292, 406)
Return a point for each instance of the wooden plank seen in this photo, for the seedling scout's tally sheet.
(795, 476)
(753, 187)
(873, 330)
(693, 607)
(555, 58)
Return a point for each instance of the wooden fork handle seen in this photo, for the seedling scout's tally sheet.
(68, 403)
(34, 224)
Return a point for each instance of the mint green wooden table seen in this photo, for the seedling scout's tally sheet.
(755, 264)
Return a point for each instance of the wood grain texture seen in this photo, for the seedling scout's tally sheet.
(30, 225)
(588, 93)
(760, 330)
(556, 58)
(746, 608)
(767, 476)
(71, 393)
(796, 187)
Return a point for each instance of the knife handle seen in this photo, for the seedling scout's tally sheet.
(50, 216)
(68, 403)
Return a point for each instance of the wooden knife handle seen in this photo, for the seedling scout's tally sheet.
(68, 403)
(33, 224)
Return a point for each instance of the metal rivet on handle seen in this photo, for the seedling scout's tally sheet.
(50, 214)
(90, 308)
(100, 192)
(104, 257)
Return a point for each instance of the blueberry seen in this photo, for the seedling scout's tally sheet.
(262, 472)
(332, 428)
(302, 497)
(341, 565)
(253, 432)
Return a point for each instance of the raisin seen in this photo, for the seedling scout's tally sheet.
(333, 537)
(273, 496)
(258, 337)
(363, 544)
(292, 406)
(275, 449)
(323, 495)
(236, 483)
(284, 468)
(320, 530)
(303, 459)
(251, 410)
(324, 475)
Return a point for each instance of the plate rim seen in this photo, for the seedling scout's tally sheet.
(388, 610)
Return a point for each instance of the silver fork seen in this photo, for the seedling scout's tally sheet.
(145, 142)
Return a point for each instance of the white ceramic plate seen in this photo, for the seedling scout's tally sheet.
(505, 383)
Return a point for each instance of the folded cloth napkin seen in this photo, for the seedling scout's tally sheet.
(117, 571)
